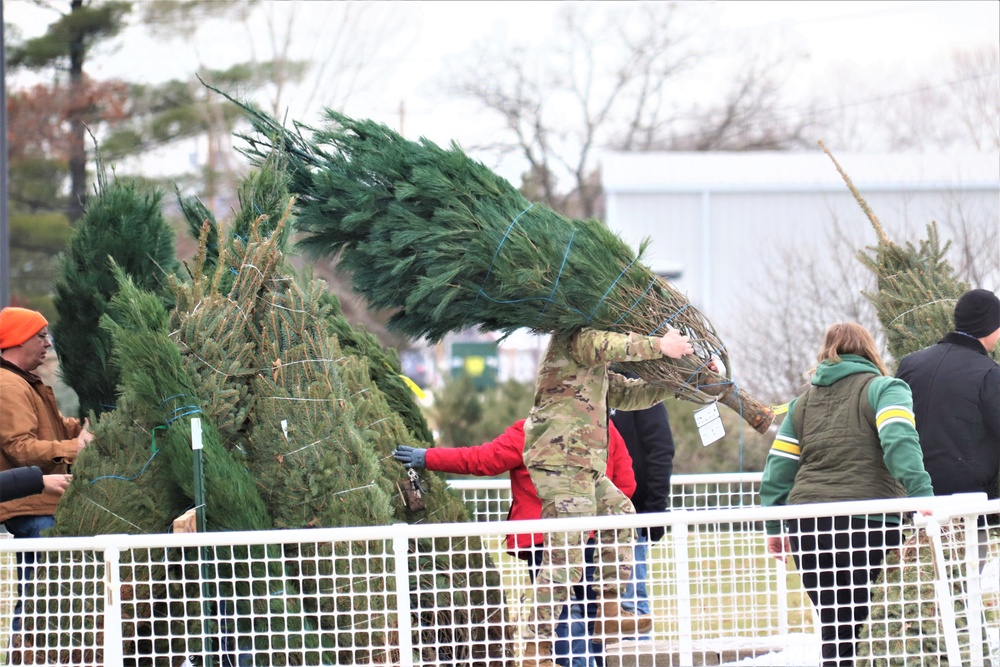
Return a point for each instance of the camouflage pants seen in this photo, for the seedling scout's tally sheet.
(577, 492)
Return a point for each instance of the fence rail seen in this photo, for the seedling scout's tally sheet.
(335, 596)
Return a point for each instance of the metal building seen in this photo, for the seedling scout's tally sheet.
(718, 220)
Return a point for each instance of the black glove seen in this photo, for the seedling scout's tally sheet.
(653, 533)
(411, 457)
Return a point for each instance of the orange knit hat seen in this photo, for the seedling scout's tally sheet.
(18, 325)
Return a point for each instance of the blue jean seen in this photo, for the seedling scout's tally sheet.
(634, 596)
(26, 527)
(572, 646)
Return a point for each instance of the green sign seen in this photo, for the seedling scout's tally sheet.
(479, 361)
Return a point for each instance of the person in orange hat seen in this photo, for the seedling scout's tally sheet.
(32, 430)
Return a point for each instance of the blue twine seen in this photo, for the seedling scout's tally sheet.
(636, 302)
(525, 299)
(558, 276)
(127, 479)
(669, 319)
(489, 271)
(610, 287)
(196, 411)
(170, 398)
(183, 407)
(740, 411)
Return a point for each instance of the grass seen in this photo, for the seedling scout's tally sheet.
(733, 588)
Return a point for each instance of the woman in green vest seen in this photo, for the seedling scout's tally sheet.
(850, 436)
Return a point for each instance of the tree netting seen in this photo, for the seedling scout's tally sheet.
(447, 245)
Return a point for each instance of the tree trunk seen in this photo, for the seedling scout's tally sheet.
(78, 154)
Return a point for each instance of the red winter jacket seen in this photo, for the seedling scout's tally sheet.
(506, 453)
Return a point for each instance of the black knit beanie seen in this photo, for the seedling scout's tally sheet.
(977, 313)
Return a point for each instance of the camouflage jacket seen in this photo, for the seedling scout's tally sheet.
(568, 425)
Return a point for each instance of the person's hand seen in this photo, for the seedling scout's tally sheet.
(56, 484)
(653, 533)
(675, 345)
(411, 457)
(85, 436)
(779, 547)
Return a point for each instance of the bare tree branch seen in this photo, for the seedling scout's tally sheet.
(609, 83)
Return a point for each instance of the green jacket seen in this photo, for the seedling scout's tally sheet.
(893, 432)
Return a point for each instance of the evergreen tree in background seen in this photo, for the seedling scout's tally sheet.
(123, 221)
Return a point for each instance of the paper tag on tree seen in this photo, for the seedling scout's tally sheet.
(709, 423)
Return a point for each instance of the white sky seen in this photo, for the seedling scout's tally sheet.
(830, 41)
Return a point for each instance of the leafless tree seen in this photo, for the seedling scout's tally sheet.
(975, 243)
(813, 286)
(954, 110)
(751, 115)
(611, 80)
(779, 337)
(976, 104)
(351, 46)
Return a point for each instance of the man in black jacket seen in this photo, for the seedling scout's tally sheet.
(956, 399)
(651, 445)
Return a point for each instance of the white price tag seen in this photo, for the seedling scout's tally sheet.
(706, 414)
(709, 423)
(196, 433)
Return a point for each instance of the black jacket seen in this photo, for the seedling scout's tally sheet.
(956, 402)
(20, 482)
(651, 445)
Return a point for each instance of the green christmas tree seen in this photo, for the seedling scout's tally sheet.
(298, 433)
(125, 222)
(447, 245)
(916, 286)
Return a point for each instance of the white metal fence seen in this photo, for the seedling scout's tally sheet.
(329, 596)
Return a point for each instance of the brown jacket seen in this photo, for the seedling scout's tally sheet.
(32, 433)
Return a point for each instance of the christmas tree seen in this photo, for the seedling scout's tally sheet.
(447, 245)
(916, 286)
(298, 433)
(126, 223)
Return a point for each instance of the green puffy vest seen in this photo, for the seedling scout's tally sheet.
(841, 457)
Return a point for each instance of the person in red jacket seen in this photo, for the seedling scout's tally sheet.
(506, 454)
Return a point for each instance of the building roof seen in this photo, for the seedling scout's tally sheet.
(794, 172)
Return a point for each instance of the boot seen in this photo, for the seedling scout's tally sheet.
(537, 653)
(612, 620)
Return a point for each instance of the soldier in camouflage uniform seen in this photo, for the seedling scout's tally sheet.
(566, 452)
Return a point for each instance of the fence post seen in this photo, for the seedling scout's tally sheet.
(682, 562)
(113, 654)
(400, 550)
(782, 574)
(973, 590)
(945, 604)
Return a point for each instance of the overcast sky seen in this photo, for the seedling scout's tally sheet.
(829, 41)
